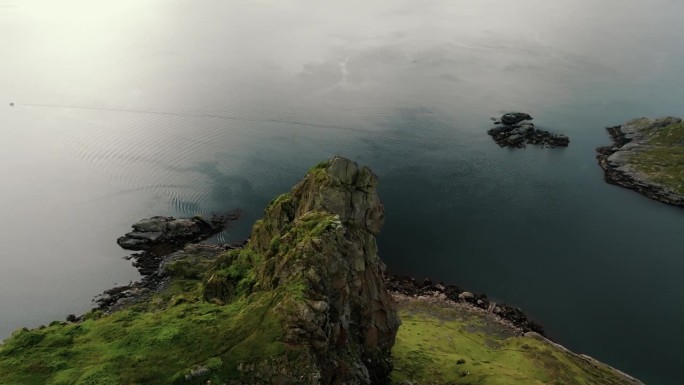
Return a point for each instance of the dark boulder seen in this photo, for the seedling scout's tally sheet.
(514, 117)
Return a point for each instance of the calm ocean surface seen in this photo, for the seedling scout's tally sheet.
(126, 109)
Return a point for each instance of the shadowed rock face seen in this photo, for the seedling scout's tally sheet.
(324, 235)
(514, 118)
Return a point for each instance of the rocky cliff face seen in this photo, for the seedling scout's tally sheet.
(318, 242)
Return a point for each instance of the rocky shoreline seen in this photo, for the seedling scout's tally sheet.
(427, 289)
(152, 266)
(162, 240)
(631, 139)
(155, 279)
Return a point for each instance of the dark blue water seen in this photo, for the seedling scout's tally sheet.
(125, 110)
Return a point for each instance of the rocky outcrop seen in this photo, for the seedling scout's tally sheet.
(151, 232)
(514, 118)
(517, 132)
(318, 240)
(645, 157)
(155, 269)
(163, 239)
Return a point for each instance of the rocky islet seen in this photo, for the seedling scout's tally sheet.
(515, 130)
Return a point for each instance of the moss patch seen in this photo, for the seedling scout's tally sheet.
(438, 345)
(156, 347)
(159, 341)
(663, 160)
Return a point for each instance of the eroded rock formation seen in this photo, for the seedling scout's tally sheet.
(318, 241)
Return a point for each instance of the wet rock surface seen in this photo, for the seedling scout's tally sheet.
(516, 131)
(619, 161)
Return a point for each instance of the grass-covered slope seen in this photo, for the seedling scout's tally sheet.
(662, 160)
(445, 343)
(157, 342)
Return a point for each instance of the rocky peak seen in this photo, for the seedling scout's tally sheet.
(320, 238)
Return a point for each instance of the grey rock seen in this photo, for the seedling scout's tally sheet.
(514, 117)
(518, 132)
(167, 230)
(197, 372)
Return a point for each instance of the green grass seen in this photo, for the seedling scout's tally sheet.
(211, 314)
(438, 345)
(152, 347)
(663, 162)
(160, 340)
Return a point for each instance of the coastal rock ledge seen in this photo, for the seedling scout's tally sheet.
(647, 156)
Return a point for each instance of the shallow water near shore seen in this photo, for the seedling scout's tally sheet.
(126, 110)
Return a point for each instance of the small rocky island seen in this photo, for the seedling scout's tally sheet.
(158, 231)
(516, 130)
(647, 156)
(304, 301)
